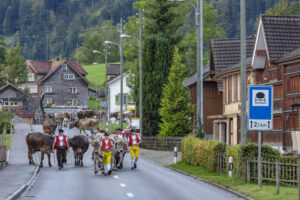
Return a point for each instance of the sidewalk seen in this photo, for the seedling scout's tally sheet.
(18, 171)
(164, 158)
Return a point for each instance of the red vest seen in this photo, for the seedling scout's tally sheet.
(131, 140)
(122, 134)
(64, 140)
(104, 145)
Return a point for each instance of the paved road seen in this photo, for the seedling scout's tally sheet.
(148, 181)
(18, 171)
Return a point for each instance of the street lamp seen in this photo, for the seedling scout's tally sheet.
(199, 23)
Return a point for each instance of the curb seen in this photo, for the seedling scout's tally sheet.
(211, 183)
(24, 187)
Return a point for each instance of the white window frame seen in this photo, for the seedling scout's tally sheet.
(48, 89)
(72, 101)
(32, 89)
(48, 101)
(30, 77)
(73, 90)
(69, 76)
(239, 87)
(232, 88)
(65, 67)
(227, 90)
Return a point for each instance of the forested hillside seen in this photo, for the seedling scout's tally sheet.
(52, 28)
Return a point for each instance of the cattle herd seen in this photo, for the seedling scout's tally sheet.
(85, 120)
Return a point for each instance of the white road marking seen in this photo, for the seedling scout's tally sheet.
(122, 185)
(116, 177)
(130, 195)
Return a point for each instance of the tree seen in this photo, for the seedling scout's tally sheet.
(283, 7)
(15, 67)
(2, 50)
(157, 59)
(176, 109)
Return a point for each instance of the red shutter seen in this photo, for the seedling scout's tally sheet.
(78, 90)
(52, 89)
(224, 91)
(78, 102)
(68, 90)
(235, 88)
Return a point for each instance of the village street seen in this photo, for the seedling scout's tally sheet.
(148, 181)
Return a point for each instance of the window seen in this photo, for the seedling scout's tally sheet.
(48, 101)
(73, 102)
(15, 103)
(64, 67)
(32, 89)
(238, 87)
(30, 77)
(73, 90)
(6, 103)
(48, 89)
(69, 76)
(232, 89)
(117, 99)
(227, 90)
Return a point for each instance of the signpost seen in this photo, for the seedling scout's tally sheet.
(260, 115)
(1, 105)
(103, 104)
(131, 106)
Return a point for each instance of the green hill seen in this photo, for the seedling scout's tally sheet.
(96, 75)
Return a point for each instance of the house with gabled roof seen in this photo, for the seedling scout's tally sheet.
(63, 82)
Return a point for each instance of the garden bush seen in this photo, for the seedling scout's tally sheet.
(7, 127)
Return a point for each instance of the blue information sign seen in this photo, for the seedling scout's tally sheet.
(260, 108)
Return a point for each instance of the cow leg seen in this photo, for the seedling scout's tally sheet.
(42, 158)
(49, 161)
(75, 157)
(80, 159)
(95, 165)
(31, 162)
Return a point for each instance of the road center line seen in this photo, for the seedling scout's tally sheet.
(122, 185)
(116, 177)
(130, 195)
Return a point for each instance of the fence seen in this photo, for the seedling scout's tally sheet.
(221, 167)
(284, 172)
(161, 143)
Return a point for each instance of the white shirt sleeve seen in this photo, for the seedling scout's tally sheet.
(55, 139)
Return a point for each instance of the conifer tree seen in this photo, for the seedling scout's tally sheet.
(176, 109)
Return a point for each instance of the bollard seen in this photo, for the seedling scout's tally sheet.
(230, 166)
(175, 155)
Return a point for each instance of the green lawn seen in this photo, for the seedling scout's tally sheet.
(112, 127)
(268, 192)
(92, 104)
(7, 141)
(96, 74)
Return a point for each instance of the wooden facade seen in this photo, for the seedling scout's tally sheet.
(212, 101)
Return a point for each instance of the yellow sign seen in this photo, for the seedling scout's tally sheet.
(131, 106)
(0, 107)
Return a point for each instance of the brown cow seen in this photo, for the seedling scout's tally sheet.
(49, 126)
(80, 145)
(39, 142)
(59, 118)
(85, 124)
(82, 114)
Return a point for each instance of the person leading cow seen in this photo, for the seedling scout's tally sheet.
(106, 147)
(134, 141)
(61, 145)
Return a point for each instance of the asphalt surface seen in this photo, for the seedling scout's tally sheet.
(18, 171)
(148, 181)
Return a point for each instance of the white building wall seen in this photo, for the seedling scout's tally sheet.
(115, 89)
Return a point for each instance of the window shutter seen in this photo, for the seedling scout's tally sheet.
(52, 89)
(235, 88)
(229, 90)
(224, 90)
(78, 102)
(68, 90)
(78, 90)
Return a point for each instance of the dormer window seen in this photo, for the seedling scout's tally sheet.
(64, 67)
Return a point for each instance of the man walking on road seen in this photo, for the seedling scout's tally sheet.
(134, 141)
(106, 146)
(61, 145)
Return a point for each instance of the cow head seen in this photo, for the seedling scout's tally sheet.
(72, 125)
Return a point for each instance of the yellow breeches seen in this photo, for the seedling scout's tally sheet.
(134, 151)
(106, 157)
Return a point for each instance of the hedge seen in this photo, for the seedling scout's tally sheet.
(201, 152)
(7, 127)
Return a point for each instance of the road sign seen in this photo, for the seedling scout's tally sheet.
(260, 108)
(1, 105)
(131, 106)
(103, 104)
(135, 122)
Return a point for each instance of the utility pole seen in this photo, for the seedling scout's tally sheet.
(141, 70)
(199, 16)
(243, 74)
(121, 75)
(96, 95)
(77, 53)
(106, 93)
(47, 44)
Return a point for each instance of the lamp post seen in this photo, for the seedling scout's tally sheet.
(199, 24)
(96, 52)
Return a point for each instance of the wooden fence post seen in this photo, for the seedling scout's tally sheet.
(248, 172)
(277, 176)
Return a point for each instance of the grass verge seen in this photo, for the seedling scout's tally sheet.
(112, 127)
(268, 192)
(92, 104)
(7, 141)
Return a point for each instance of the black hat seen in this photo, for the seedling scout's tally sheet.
(60, 130)
(106, 134)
